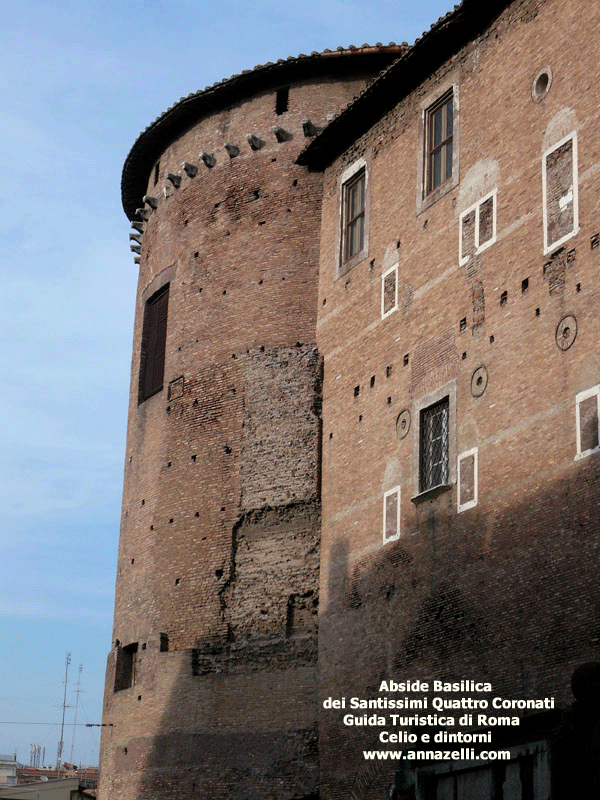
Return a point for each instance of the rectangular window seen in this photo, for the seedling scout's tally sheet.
(282, 100)
(559, 190)
(154, 338)
(467, 480)
(389, 291)
(434, 446)
(477, 228)
(391, 515)
(439, 133)
(354, 216)
(587, 420)
(126, 667)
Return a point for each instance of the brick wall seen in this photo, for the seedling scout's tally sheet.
(219, 550)
(507, 590)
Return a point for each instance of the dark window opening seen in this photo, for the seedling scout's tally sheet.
(164, 643)
(156, 172)
(434, 445)
(354, 216)
(126, 666)
(282, 100)
(439, 135)
(154, 337)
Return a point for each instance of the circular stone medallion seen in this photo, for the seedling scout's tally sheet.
(566, 332)
(479, 381)
(403, 424)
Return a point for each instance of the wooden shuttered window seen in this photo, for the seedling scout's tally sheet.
(154, 337)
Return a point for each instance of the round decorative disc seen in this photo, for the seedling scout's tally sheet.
(479, 381)
(403, 424)
(566, 332)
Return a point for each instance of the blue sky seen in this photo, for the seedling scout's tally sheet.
(80, 80)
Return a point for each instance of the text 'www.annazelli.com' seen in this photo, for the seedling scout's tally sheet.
(464, 754)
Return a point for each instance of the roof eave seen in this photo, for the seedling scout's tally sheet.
(449, 35)
(179, 117)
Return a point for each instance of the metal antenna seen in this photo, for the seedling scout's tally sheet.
(62, 727)
(77, 693)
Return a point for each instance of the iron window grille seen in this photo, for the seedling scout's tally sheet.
(439, 136)
(354, 216)
(434, 460)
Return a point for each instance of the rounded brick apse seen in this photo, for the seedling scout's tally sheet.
(211, 679)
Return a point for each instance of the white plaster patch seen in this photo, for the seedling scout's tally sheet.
(390, 258)
(391, 475)
(391, 515)
(478, 181)
(560, 126)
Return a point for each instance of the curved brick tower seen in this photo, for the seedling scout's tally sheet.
(211, 681)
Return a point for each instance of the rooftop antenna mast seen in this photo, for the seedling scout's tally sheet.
(62, 727)
(77, 693)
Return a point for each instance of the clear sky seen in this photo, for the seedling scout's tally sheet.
(80, 79)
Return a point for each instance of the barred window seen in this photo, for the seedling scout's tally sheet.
(434, 445)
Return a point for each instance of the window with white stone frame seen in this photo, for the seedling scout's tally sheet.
(389, 291)
(560, 192)
(467, 480)
(587, 421)
(391, 515)
(477, 228)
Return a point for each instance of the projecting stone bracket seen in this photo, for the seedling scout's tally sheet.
(175, 179)
(308, 128)
(191, 170)
(150, 201)
(254, 141)
(232, 150)
(281, 134)
(208, 159)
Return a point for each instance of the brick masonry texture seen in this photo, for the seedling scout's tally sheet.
(506, 591)
(253, 574)
(218, 576)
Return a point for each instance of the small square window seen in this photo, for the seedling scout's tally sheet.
(434, 445)
(354, 206)
(154, 337)
(439, 133)
(587, 420)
